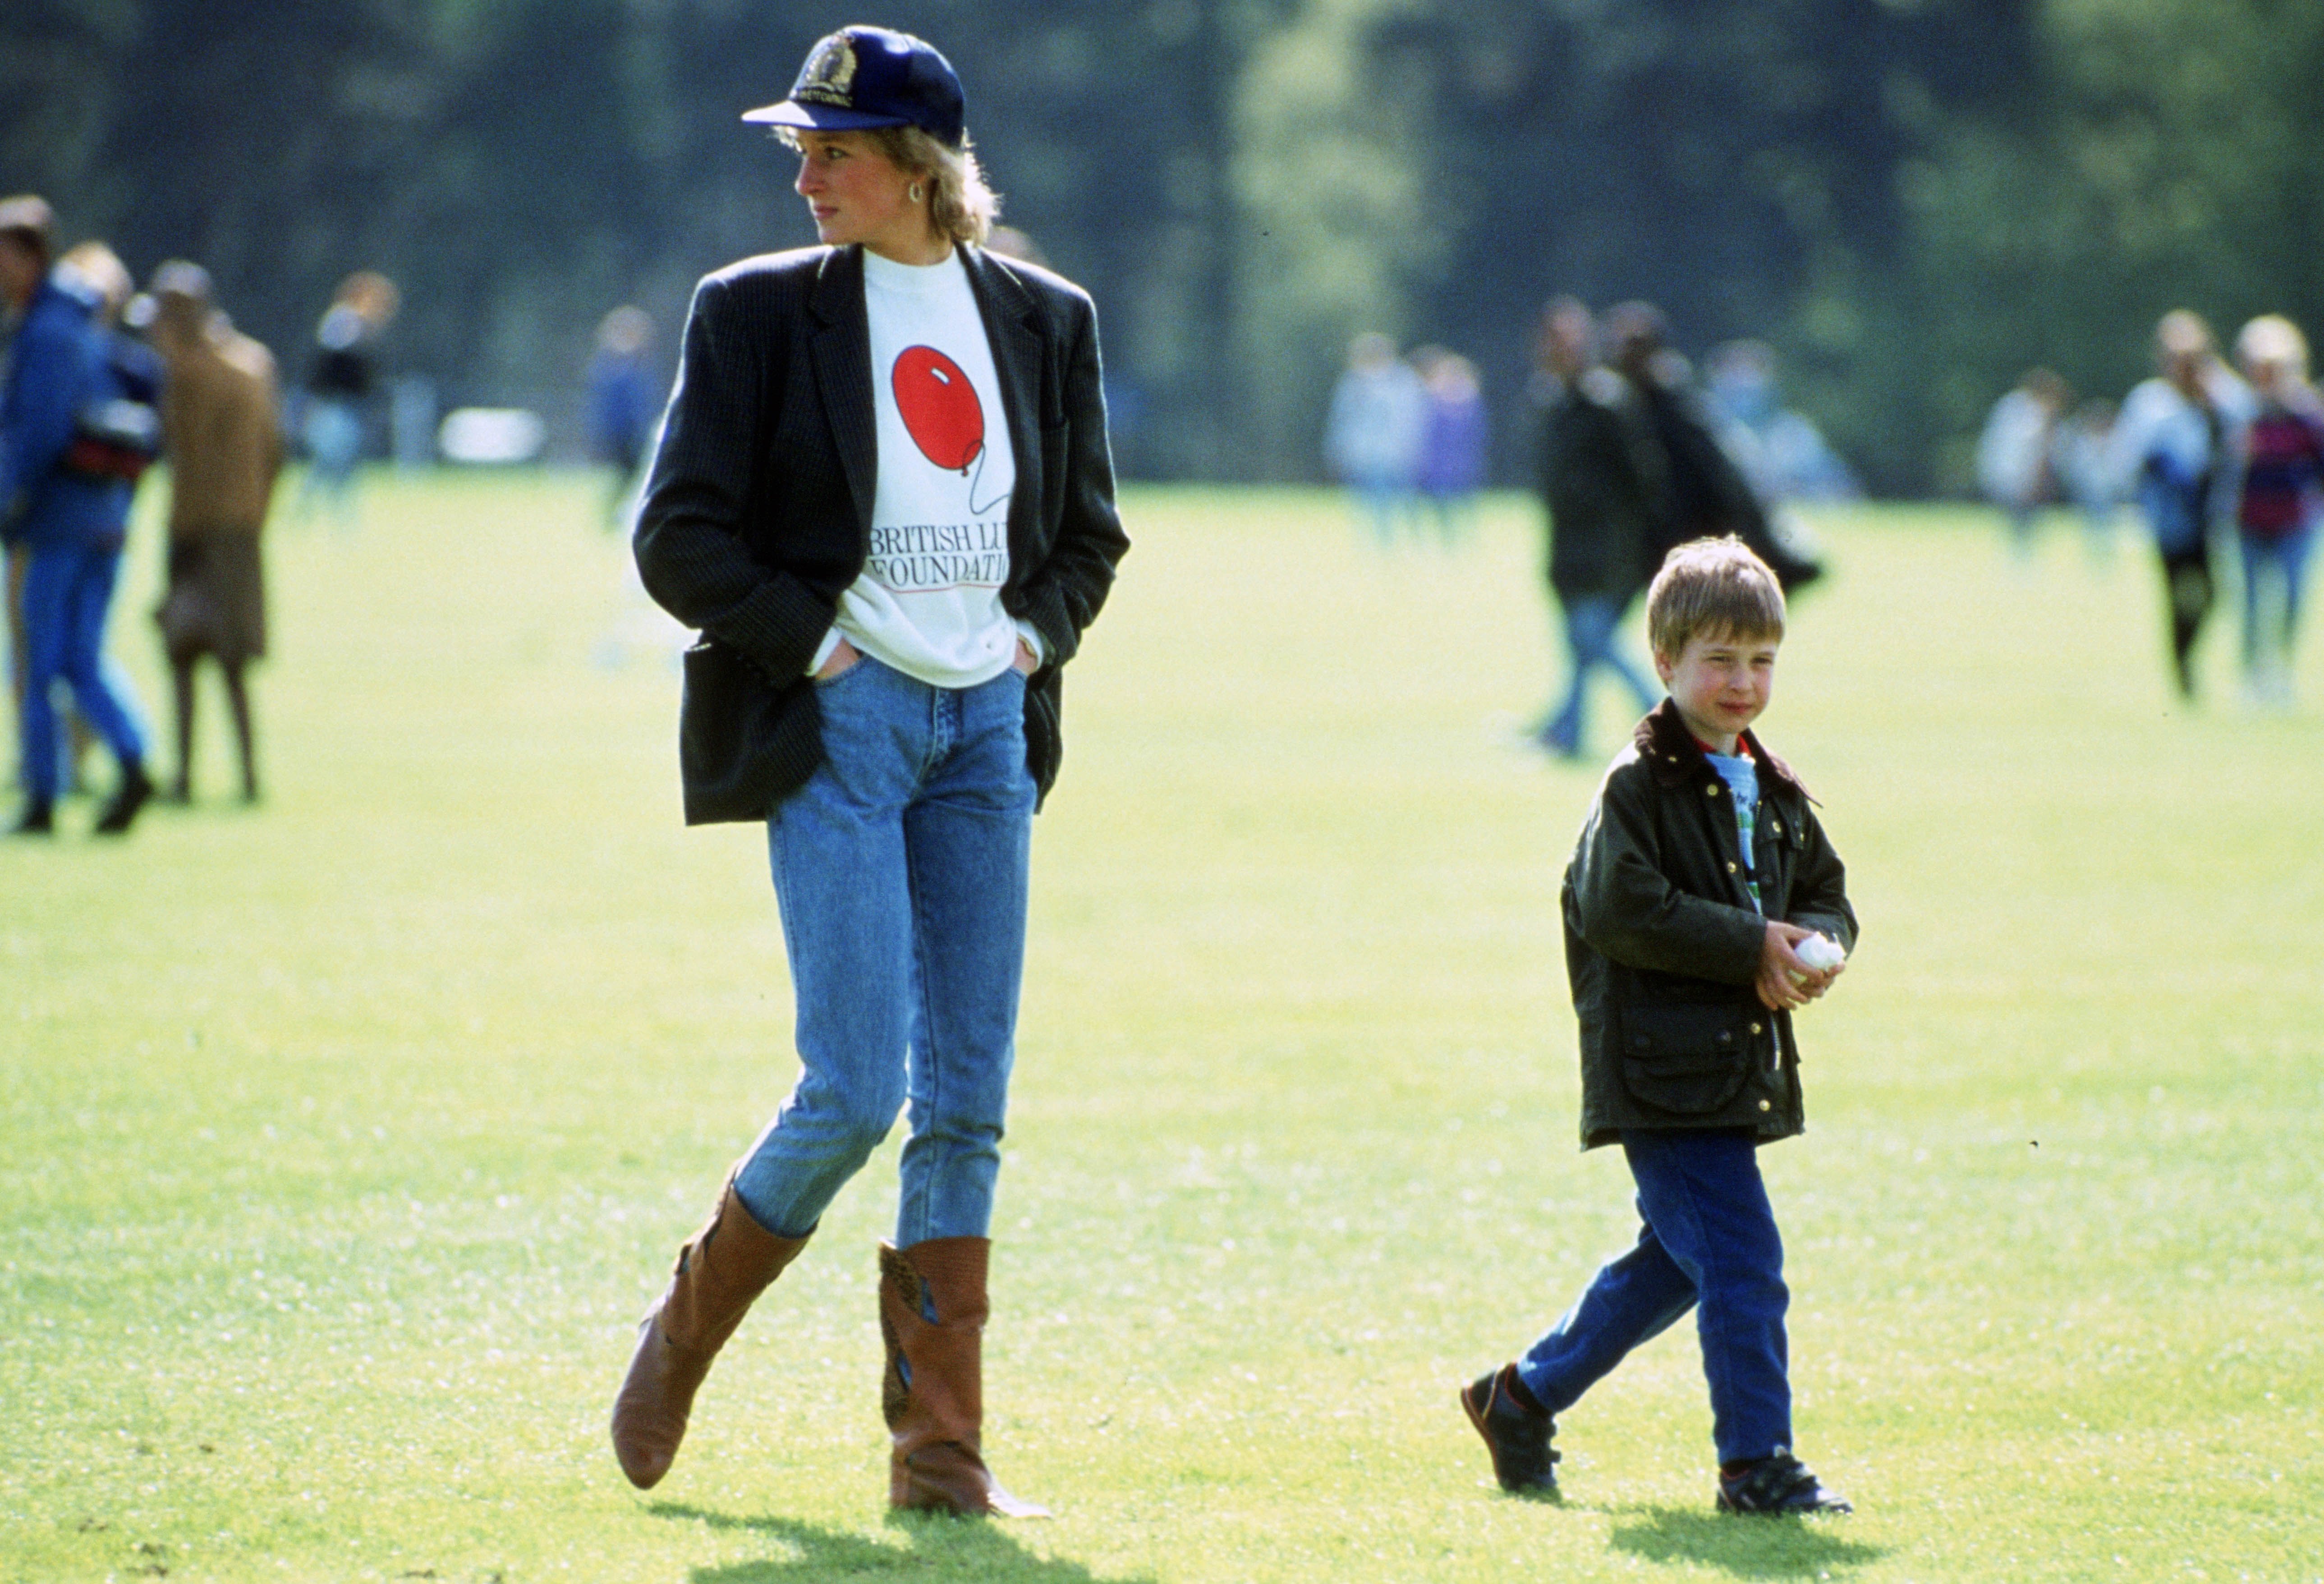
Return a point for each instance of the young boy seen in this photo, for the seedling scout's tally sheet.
(1699, 872)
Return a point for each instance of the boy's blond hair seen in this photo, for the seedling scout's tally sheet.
(1712, 586)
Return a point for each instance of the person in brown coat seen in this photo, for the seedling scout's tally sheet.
(221, 424)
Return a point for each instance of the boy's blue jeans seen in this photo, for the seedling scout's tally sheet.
(67, 593)
(1708, 1243)
(900, 871)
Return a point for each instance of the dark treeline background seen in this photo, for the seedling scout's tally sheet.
(1914, 200)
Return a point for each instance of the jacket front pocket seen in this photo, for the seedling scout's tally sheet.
(1687, 1059)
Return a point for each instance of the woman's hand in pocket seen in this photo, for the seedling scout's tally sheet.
(844, 657)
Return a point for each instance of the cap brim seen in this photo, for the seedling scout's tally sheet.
(819, 117)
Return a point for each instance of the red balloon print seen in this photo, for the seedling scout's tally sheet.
(940, 407)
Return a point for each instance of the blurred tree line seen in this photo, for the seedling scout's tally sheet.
(1914, 200)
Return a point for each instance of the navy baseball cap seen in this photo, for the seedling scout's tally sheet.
(861, 78)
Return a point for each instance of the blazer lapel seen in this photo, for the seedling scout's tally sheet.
(1007, 309)
(842, 350)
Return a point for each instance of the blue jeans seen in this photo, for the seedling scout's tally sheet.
(900, 869)
(67, 593)
(1708, 1243)
(2268, 634)
(1590, 625)
(333, 433)
(1383, 498)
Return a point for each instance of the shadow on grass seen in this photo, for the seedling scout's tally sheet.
(1748, 1548)
(934, 1546)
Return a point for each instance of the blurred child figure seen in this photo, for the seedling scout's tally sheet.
(226, 447)
(339, 385)
(2080, 462)
(2281, 494)
(1372, 438)
(2013, 454)
(623, 400)
(1454, 437)
(2170, 448)
(67, 481)
(1699, 871)
(122, 435)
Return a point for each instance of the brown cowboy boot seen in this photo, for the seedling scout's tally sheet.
(932, 1313)
(721, 1269)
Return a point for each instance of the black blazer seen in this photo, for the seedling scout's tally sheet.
(758, 513)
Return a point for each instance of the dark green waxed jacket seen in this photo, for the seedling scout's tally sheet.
(1662, 943)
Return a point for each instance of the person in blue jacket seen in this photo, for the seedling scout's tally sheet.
(68, 511)
(624, 403)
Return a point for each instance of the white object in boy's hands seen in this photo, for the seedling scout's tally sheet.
(1821, 952)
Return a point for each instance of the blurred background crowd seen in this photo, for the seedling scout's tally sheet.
(1899, 235)
(1911, 203)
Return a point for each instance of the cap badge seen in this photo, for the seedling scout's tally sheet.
(829, 75)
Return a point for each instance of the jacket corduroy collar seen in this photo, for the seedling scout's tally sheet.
(1670, 751)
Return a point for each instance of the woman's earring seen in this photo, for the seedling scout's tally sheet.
(914, 194)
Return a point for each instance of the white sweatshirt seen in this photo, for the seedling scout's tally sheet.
(928, 600)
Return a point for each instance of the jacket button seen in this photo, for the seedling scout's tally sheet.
(1711, 790)
(1778, 826)
(1730, 869)
(1754, 1028)
(1766, 1105)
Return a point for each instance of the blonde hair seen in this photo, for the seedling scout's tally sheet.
(2184, 332)
(372, 295)
(2271, 338)
(959, 202)
(960, 205)
(1712, 586)
(100, 272)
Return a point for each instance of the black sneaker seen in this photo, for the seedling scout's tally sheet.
(1516, 1431)
(127, 799)
(39, 819)
(1776, 1485)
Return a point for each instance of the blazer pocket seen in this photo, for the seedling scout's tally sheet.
(1689, 1059)
(733, 729)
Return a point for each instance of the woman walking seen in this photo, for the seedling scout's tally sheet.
(884, 494)
(2170, 447)
(2283, 493)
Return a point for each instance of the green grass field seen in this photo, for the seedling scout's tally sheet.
(346, 1137)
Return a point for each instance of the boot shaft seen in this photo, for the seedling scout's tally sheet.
(721, 1271)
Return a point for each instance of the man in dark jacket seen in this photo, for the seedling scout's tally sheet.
(1706, 495)
(1600, 488)
(69, 516)
(1702, 904)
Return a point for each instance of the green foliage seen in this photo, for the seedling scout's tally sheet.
(1913, 201)
(1338, 224)
(348, 1137)
(2170, 162)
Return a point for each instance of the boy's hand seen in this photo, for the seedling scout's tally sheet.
(1785, 982)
